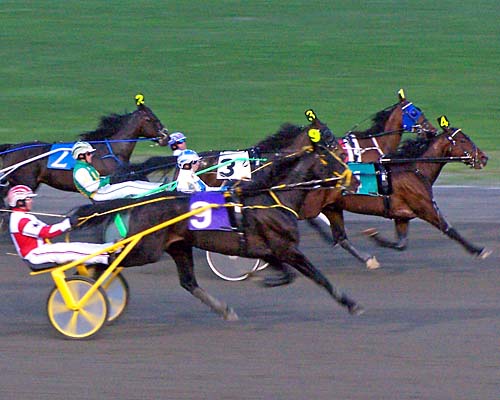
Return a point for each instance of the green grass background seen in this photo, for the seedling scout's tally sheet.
(229, 73)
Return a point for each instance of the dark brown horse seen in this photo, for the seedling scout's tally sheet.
(412, 195)
(114, 141)
(269, 228)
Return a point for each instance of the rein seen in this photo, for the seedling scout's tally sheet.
(34, 145)
(37, 213)
(424, 160)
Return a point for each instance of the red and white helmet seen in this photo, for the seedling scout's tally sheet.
(19, 192)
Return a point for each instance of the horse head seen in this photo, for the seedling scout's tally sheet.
(332, 154)
(461, 145)
(405, 116)
(150, 125)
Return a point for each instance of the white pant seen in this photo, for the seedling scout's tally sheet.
(62, 253)
(124, 189)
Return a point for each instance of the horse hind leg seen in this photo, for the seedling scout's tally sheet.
(401, 226)
(183, 257)
(284, 275)
(299, 261)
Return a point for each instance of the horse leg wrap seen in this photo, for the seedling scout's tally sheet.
(219, 307)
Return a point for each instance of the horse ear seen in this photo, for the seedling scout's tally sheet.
(139, 99)
(311, 115)
(443, 122)
(401, 95)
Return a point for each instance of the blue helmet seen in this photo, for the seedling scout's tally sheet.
(187, 157)
(176, 137)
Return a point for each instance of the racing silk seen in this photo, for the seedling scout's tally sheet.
(87, 179)
(188, 181)
(28, 232)
(89, 182)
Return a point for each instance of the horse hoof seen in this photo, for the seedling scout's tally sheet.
(370, 232)
(372, 263)
(356, 309)
(230, 315)
(279, 280)
(485, 253)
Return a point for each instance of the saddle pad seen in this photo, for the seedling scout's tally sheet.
(61, 158)
(236, 165)
(351, 147)
(367, 176)
(213, 219)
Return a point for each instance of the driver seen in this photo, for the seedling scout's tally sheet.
(177, 143)
(30, 235)
(89, 182)
(188, 162)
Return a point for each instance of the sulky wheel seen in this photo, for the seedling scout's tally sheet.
(232, 268)
(87, 319)
(117, 292)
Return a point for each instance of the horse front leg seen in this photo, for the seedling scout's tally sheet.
(183, 257)
(444, 226)
(339, 234)
(299, 261)
(401, 227)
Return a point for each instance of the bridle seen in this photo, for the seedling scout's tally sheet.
(471, 159)
(161, 131)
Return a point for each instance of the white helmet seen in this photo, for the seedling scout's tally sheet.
(176, 137)
(19, 192)
(187, 157)
(81, 148)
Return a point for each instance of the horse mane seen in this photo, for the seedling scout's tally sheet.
(280, 139)
(378, 122)
(412, 148)
(109, 125)
(280, 169)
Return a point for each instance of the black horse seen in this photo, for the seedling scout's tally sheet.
(269, 228)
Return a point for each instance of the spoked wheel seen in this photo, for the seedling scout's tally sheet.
(233, 268)
(116, 288)
(117, 291)
(83, 322)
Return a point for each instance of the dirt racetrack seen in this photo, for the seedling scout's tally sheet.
(431, 328)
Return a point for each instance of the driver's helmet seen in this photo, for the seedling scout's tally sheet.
(19, 192)
(81, 148)
(187, 157)
(176, 137)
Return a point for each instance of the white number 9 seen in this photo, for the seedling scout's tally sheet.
(203, 219)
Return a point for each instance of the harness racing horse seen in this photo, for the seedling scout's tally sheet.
(114, 141)
(269, 231)
(388, 126)
(413, 170)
